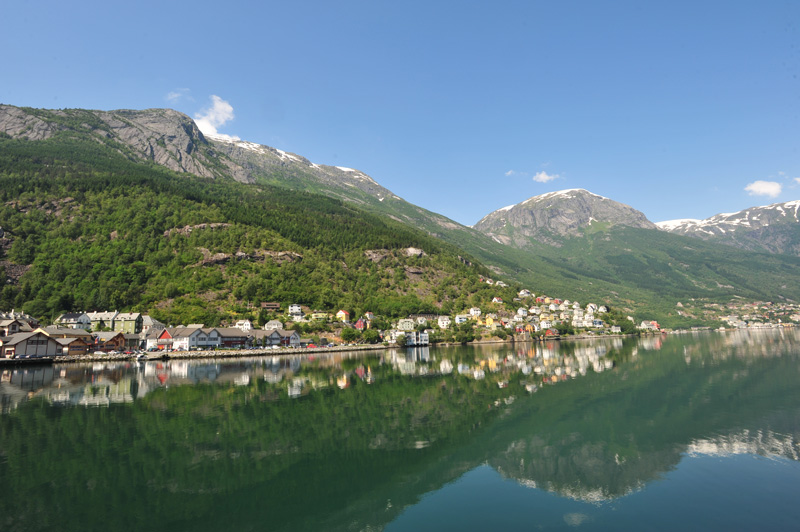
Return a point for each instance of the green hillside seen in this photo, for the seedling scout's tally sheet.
(650, 272)
(95, 230)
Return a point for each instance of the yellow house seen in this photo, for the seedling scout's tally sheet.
(343, 315)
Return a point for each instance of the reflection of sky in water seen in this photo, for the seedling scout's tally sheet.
(741, 492)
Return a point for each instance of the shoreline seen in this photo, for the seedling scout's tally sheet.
(246, 353)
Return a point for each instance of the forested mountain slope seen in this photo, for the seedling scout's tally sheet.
(117, 156)
(86, 228)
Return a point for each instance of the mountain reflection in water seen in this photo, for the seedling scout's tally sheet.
(213, 444)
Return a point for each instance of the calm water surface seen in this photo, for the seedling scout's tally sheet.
(698, 432)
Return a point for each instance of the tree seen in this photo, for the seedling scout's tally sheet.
(371, 336)
(350, 335)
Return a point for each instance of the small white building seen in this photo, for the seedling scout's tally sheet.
(405, 324)
(244, 325)
(444, 322)
(75, 320)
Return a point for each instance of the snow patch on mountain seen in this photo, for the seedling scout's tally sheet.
(670, 225)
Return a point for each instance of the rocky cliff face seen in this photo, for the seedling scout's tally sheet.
(163, 136)
(172, 139)
(551, 217)
(772, 228)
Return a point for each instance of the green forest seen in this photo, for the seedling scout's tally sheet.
(99, 231)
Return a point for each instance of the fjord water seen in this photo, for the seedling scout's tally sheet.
(681, 432)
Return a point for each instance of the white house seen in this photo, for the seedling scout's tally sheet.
(244, 325)
(273, 325)
(75, 320)
(444, 322)
(405, 324)
(474, 312)
(187, 338)
(461, 318)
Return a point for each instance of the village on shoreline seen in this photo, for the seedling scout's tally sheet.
(112, 335)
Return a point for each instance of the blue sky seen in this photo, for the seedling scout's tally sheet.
(679, 109)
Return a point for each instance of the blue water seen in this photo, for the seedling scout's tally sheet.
(741, 492)
(694, 432)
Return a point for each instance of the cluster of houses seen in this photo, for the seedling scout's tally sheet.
(760, 314)
(75, 334)
(540, 316)
(79, 333)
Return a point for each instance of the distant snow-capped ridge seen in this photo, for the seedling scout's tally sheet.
(572, 193)
(569, 193)
(773, 228)
(753, 218)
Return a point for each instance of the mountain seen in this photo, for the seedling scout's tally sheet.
(773, 228)
(551, 217)
(589, 246)
(570, 244)
(171, 139)
(163, 136)
(89, 224)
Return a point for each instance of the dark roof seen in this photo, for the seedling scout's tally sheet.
(66, 331)
(231, 332)
(106, 336)
(70, 316)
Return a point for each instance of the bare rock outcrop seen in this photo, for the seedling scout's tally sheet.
(163, 136)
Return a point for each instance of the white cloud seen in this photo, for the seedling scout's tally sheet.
(211, 118)
(770, 189)
(544, 177)
(539, 177)
(178, 95)
(797, 180)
